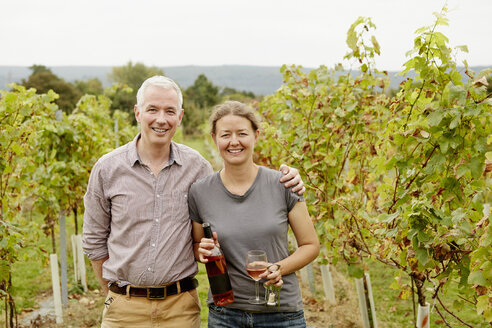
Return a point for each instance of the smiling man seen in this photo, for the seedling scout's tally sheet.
(137, 230)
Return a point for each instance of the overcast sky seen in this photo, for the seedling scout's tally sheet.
(226, 32)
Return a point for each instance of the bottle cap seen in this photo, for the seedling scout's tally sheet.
(207, 230)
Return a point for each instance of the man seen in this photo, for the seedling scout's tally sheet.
(137, 231)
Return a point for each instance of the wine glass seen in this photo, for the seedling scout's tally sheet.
(256, 264)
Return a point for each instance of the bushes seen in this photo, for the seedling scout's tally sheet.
(400, 180)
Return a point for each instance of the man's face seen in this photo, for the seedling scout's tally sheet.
(159, 116)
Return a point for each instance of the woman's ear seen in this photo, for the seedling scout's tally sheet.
(214, 137)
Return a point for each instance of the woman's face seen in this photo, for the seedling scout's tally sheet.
(235, 139)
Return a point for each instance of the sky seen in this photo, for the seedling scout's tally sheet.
(227, 32)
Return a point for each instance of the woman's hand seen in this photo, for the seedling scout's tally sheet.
(273, 275)
(205, 248)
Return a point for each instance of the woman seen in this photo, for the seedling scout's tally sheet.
(249, 209)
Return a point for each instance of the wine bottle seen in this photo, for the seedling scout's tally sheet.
(220, 285)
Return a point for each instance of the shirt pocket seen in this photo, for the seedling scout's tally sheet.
(119, 207)
(180, 205)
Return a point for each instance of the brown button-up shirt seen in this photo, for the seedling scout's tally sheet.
(141, 220)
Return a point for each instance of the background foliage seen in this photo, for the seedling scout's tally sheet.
(45, 164)
(403, 180)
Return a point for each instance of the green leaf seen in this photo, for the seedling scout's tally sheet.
(4, 270)
(487, 270)
(455, 122)
(422, 255)
(463, 48)
(456, 77)
(477, 278)
(435, 118)
(375, 45)
(465, 227)
(482, 303)
(476, 166)
(462, 170)
(443, 145)
(387, 218)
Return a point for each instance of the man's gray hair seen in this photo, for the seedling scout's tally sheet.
(160, 81)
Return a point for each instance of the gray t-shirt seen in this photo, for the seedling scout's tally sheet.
(256, 220)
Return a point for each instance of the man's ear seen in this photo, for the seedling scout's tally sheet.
(181, 116)
(137, 113)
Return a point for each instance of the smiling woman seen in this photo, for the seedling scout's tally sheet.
(248, 208)
(235, 130)
(235, 139)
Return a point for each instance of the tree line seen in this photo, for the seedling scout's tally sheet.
(199, 98)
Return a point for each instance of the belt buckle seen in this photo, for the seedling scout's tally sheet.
(154, 297)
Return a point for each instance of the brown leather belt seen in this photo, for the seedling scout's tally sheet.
(156, 293)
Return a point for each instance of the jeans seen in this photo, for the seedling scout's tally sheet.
(222, 317)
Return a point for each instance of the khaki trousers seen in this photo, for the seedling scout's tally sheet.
(176, 311)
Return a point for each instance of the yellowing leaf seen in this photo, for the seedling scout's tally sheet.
(424, 134)
(376, 45)
(481, 82)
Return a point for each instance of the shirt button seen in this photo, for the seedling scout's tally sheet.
(149, 269)
(156, 220)
(153, 245)
(158, 195)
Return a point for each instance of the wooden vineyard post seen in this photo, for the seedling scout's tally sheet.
(81, 262)
(366, 301)
(78, 261)
(63, 245)
(327, 283)
(75, 256)
(63, 260)
(307, 273)
(55, 280)
(423, 316)
(310, 277)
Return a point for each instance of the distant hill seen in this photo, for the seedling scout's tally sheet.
(260, 80)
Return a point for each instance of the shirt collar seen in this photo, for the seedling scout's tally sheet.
(132, 152)
(174, 154)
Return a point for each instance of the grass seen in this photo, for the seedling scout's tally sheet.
(205, 146)
(203, 293)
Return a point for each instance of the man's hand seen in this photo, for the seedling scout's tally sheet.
(292, 178)
(97, 267)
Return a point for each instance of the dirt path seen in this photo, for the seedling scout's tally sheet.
(46, 309)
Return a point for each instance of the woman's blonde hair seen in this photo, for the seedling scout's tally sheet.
(233, 108)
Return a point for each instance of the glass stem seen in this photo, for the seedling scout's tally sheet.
(257, 290)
